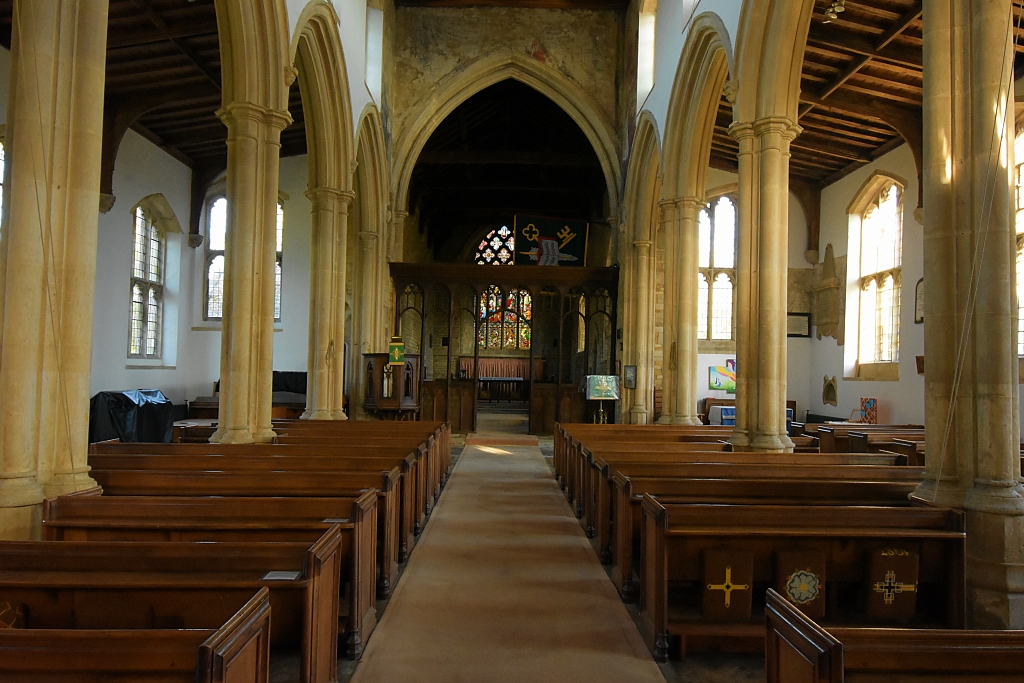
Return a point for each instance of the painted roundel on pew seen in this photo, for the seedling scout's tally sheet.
(11, 615)
(802, 587)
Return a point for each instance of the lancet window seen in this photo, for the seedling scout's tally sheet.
(880, 270)
(717, 275)
(147, 285)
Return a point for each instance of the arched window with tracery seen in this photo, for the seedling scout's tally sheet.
(497, 249)
(147, 282)
(716, 238)
(505, 321)
(881, 241)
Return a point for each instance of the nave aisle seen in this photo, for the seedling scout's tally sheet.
(505, 586)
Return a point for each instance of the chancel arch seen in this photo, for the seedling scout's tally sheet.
(485, 73)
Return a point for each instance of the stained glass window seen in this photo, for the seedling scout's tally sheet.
(880, 261)
(505, 320)
(497, 249)
(146, 286)
(716, 257)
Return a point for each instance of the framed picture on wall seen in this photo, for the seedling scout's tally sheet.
(629, 377)
(798, 324)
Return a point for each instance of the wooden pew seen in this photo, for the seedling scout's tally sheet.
(596, 488)
(835, 438)
(238, 651)
(578, 456)
(797, 650)
(572, 435)
(398, 518)
(183, 585)
(412, 460)
(676, 537)
(629, 492)
(87, 516)
(876, 441)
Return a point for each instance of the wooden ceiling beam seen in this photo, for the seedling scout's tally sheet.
(119, 40)
(879, 44)
(147, 9)
(897, 54)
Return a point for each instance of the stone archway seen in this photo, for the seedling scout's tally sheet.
(643, 188)
(369, 281)
(540, 77)
(703, 68)
(323, 82)
(769, 56)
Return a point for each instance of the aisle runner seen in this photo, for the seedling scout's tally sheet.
(504, 586)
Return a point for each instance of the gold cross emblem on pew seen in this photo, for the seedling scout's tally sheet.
(890, 587)
(728, 586)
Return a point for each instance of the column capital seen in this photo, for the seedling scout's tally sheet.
(779, 125)
(237, 113)
(741, 130)
(330, 193)
(642, 244)
(367, 236)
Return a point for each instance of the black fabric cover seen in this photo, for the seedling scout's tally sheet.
(130, 416)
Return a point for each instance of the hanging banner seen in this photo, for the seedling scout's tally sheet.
(544, 241)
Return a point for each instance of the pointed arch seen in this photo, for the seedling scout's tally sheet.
(704, 66)
(542, 78)
(254, 52)
(371, 168)
(642, 180)
(319, 57)
(769, 56)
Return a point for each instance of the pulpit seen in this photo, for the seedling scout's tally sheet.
(392, 391)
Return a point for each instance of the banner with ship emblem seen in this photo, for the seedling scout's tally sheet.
(892, 584)
(728, 584)
(544, 241)
(800, 577)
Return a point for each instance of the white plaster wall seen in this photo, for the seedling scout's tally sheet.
(673, 24)
(142, 169)
(898, 401)
(290, 343)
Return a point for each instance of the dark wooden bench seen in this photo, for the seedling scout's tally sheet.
(183, 585)
(87, 516)
(623, 550)
(875, 441)
(797, 650)
(400, 513)
(237, 651)
(676, 538)
(835, 438)
(596, 488)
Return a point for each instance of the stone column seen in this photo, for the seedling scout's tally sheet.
(367, 311)
(247, 328)
(762, 278)
(971, 377)
(642, 331)
(670, 352)
(48, 253)
(687, 210)
(338, 332)
(321, 303)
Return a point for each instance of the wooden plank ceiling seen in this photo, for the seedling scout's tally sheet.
(861, 90)
(163, 74)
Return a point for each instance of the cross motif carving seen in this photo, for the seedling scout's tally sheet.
(728, 586)
(890, 587)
